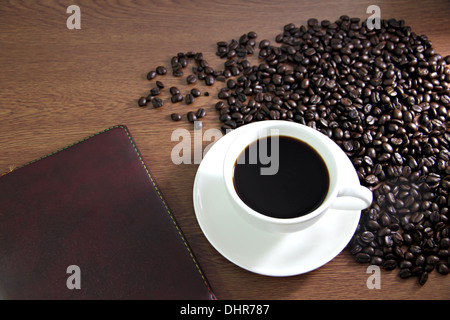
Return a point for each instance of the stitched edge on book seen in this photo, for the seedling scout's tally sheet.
(62, 149)
(170, 213)
(154, 186)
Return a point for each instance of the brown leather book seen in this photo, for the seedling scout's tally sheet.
(89, 222)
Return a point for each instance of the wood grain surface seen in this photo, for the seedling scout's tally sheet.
(58, 86)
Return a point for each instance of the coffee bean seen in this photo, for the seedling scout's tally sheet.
(200, 113)
(432, 259)
(155, 91)
(405, 273)
(176, 98)
(175, 117)
(189, 98)
(338, 133)
(367, 236)
(142, 102)
(151, 75)
(362, 257)
(444, 243)
(423, 278)
(195, 93)
(225, 118)
(174, 90)
(442, 268)
(157, 102)
(191, 79)
(191, 116)
(178, 73)
(161, 70)
(209, 80)
(264, 44)
(223, 94)
(390, 264)
(219, 105)
(371, 179)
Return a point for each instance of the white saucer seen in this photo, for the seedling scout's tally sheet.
(262, 252)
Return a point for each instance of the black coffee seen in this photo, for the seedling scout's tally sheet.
(299, 185)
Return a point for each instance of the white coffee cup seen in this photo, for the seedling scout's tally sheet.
(340, 195)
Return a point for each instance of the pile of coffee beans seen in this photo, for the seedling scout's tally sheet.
(200, 71)
(382, 95)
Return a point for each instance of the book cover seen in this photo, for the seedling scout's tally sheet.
(89, 222)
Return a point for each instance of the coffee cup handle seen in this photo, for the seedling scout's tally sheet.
(354, 197)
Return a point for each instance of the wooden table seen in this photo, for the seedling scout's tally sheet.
(58, 86)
